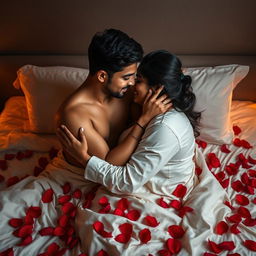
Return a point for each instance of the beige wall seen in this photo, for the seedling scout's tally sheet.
(181, 26)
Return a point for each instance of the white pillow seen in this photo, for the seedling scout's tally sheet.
(45, 88)
(213, 87)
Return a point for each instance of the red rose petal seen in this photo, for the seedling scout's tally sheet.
(214, 247)
(126, 228)
(59, 231)
(225, 183)
(198, 171)
(164, 253)
(251, 160)
(234, 229)
(245, 144)
(118, 212)
(176, 231)
(47, 196)
(145, 235)
(242, 200)
(227, 203)
(20, 155)
(249, 222)
(64, 199)
(29, 220)
(237, 186)
(63, 220)
(224, 149)
(236, 218)
(68, 208)
(245, 178)
(105, 209)
(237, 142)
(123, 204)
(3, 165)
(184, 210)
(12, 180)
(213, 160)
(180, 191)
(77, 194)
(102, 253)
(15, 222)
(2, 178)
(244, 212)
(122, 238)
(48, 231)
(236, 130)
(227, 245)
(103, 201)
(53, 152)
(52, 249)
(99, 228)
(221, 228)
(66, 188)
(34, 211)
(174, 245)
(162, 203)
(26, 241)
(252, 173)
(133, 215)
(251, 245)
(209, 254)
(9, 156)
(151, 221)
(176, 204)
(8, 252)
(233, 254)
(28, 153)
(25, 230)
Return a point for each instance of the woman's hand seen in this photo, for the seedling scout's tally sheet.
(154, 106)
(75, 148)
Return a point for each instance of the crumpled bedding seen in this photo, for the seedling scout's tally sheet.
(59, 213)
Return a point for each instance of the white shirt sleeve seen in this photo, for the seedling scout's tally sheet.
(155, 149)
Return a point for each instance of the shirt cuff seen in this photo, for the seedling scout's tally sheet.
(92, 169)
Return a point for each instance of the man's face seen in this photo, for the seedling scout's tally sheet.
(121, 81)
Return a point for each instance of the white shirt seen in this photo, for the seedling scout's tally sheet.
(162, 160)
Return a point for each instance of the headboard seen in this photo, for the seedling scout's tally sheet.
(246, 90)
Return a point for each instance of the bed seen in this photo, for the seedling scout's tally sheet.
(216, 218)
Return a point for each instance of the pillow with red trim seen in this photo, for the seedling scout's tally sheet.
(213, 87)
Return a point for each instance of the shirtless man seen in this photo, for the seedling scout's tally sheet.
(101, 105)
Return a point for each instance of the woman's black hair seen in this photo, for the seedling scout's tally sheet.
(112, 50)
(163, 68)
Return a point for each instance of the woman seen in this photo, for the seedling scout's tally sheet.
(161, 164)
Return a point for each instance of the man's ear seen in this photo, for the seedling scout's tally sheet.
(102, 76)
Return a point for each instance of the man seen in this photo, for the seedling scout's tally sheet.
(101, 104)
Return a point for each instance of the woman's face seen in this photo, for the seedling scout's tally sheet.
(140, 89)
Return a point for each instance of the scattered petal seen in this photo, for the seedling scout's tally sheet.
(48, 231)
(162, 203)
(64, 199)
(227, 245)
(47, 196)
(77, 194)
(133, 215)
(176, 204)
(176, 231)
(174, 245)
(234, 229)
(145, 235)
(251, 245)
(66, 188)
(236, 130)
(221, 228)
(214, 247)
(151, 221)
(242, 200)
(123, 204)
(15, 222)
(180, 191)
(224, 149)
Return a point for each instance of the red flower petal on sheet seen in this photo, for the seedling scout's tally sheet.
(224, 149)
(63, 220)
(225, 183)
(213, 160)
(47, 196)
(37, 170)
(15, 222)
(249, 222)
(184, 210)
(12, 180)
(43, 161)
(249, 190)
(26, 241)
(242, 200)
(162, 203)
(237, 186)
(48, 231)
(234, 229)
(180, 191)
(34, 211)
(145, 235)
(176, 204)
(61, 252)
(231, 169)
(151, 221)
(8, 252)
(102, 253)
(123, 204)
(9, 156)
(251, 245)
(24, 231)
(59, 231)
(67, 207)
(99, 228)
(29, 220)
(64, 199)
(214, 247)
(174, 245)
(123, 238)
(20, 155)
(119, 212)
(252, 173)
(133, 215)
(77, 194)
(103, 201)
(73, 243)
(28, 153)
(2, 178)
(227, 203)
(246, 144)
(83, 254)
(176, 231)
(254, 201)
(198, 171)
(221, 228)
(209, 254)
(3, 165)
(52, 249)
(236, 218)
(66, 188)
(245, 178)
(251, 160)
(237, 142)
(244, 212)
(236, 130)
(164, 253)
(105, 209)
(227, 245)
(70, 231)
(126, 228)
(220, 176)
(233, 254)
